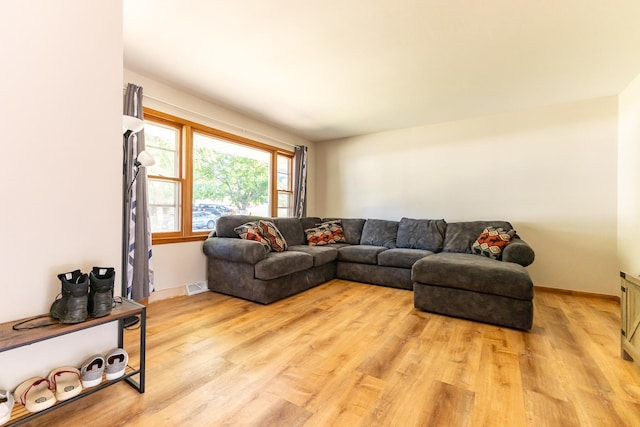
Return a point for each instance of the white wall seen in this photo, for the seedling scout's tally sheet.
(177, 264)
(550, 171)
(629, 178)
(60, 115)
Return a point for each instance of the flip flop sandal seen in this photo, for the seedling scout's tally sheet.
(6, 405)
(65, 381)
(116, 363)
(34, 394)
(91, 371)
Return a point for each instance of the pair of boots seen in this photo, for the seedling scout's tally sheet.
(84, 294)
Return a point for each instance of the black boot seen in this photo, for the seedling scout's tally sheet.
(72, 306)
(101, 291)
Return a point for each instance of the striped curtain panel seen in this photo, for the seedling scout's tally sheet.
(300, 181)
(138, 281)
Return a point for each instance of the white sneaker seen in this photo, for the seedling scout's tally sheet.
(91, 371)
(116, 363)
(6, 405)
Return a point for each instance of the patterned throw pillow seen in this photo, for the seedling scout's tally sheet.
(492, 241)
(269, 231)
(251, 231)
(325, 233)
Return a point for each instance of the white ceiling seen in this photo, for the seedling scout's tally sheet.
(334, 68)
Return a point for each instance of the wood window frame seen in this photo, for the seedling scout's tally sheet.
(185, 155)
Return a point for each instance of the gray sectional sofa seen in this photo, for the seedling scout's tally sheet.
(433, 258)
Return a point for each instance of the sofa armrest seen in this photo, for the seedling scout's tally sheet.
(236, 250)
(518, 251)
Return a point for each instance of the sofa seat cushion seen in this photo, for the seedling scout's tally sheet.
(278, 264)
(474, 273)
(363, 254)
(321, 254)
(403, 258)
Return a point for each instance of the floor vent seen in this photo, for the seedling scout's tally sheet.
(196, 288)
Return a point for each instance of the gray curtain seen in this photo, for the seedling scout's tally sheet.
(300, 181)
(137, 283)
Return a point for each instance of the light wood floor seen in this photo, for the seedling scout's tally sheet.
(350, 354)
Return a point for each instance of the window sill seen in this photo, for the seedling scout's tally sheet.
(162, 240)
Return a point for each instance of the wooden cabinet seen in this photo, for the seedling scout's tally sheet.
(630, 316)
(10, 339)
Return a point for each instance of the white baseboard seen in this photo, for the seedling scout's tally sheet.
(179, 291)
(167, 293)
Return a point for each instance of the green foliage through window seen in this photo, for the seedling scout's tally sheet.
(242, 182)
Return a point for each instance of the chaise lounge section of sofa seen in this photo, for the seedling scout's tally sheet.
(433, 258)
(456, 282)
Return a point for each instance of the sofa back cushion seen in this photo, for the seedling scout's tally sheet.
(380, 232)
(225, 226)
(309, 222)
(352, 228)
(291, 229)
(425, 234)
(460, 236)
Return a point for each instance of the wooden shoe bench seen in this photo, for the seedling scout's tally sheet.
(11, 339)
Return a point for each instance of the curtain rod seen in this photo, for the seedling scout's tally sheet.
(232, 125)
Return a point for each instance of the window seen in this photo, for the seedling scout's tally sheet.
(163, 142)
(285, 194)
(203, 173)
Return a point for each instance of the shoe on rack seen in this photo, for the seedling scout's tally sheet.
(34, 394)
(91, 371)
(116, 363)
(101, 282)
(71, 307)
(65, 382)
(6, 406)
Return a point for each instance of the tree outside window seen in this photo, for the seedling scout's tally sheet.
(230, 174)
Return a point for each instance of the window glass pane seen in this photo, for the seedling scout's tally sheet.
(229, 178)
(284, 173)
(162, 143)
(284, 204)
(164, 205)
(203, 220)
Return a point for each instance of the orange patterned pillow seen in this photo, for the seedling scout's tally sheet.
(251, 231)
(492, 241)
(325, 233)
(270, 232)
